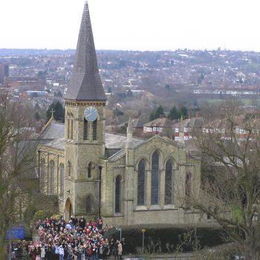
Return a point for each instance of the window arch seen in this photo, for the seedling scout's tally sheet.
(90, 168)
(85, 134)
(118, 191)
(155, 179)
(94, 127)
(169, 188)
(68, 128)
(71, 130)
(42, 170)
(52, 177)
(141, 183)
(42, 176)
(61, 178)
(69, 169)
(188, 184)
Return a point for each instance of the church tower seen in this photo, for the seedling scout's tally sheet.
(84, 127)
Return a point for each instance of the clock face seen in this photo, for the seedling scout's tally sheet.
(91, 114)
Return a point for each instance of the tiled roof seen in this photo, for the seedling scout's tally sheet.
(162, 122)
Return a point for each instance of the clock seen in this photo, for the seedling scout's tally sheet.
(91, 114)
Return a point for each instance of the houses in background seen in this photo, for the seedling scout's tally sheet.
(178, 130)
(184, 130)
(161, 126)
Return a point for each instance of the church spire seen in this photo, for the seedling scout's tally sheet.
(85, 84)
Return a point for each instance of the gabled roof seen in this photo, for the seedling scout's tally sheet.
(139, 142)
(113, 141)
(159, 122)
(52, 130)
(137, 123)
(52, 135)
(85, 83)
(195, 122)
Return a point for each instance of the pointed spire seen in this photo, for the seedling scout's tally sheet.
(85, 84)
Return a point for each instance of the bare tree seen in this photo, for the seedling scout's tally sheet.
(229, 143)
(16, 165)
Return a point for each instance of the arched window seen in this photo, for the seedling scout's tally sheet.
(168, 183)
(42, 175)
(94, 127)
(42, 170)
(188, 184)
(141, 183)
(61, 178)
(89, 204)
(52, 177)
(85, 134)
(68, 129)
(71, 130)
(90, 168)
(155, 179)
(69, 169)
(118, 194)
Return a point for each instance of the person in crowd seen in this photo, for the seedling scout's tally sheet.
(43, 253)
(119, 250)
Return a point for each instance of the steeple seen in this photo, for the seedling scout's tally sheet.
(85, 83)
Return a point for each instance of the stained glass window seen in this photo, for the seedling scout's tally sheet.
(51, 177)
(155, 179)
(141, 183)
(85, 134)
(168, 183)
(118, 194)
(90, 167)
(94, 126)
(61, 178)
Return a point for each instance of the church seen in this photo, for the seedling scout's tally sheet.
(125, 180)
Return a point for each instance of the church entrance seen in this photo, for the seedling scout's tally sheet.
(68, 210)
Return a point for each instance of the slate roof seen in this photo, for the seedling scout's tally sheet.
(85, 83)
(53, 136)
(113, 141)
(54, 130)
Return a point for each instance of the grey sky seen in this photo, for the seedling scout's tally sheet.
(132, 24)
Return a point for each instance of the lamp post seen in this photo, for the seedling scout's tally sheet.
(143, 231)
(120, 233)
(99, 192)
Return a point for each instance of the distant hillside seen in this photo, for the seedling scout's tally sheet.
(180, 76)
(34, 52)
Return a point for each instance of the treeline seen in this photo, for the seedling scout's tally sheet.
(58, 111)
(174, 114)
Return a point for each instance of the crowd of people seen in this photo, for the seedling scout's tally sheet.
(76, 239)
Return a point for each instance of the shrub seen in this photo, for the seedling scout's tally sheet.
(41, 214)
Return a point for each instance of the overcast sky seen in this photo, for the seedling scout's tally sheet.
(132, 24)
